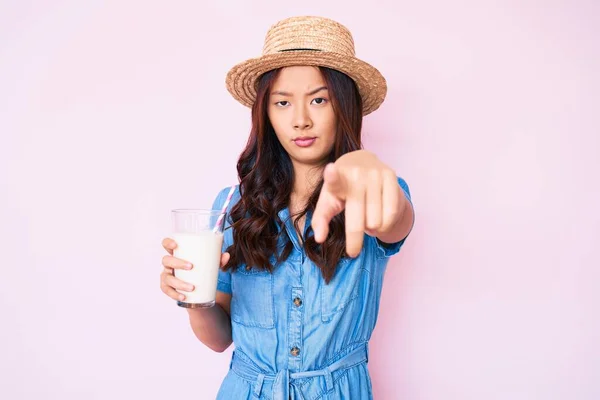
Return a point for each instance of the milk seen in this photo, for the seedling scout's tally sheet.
(203, 250)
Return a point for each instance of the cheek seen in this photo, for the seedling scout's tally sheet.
(278, 135)
(329, 141)
(276, 123)
(331, 125)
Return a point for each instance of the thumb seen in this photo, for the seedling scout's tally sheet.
(225, 259)
(330, 202)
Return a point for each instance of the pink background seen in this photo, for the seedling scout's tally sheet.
(107, 110)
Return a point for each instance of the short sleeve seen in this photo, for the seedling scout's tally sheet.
(224, 282)
(389, 249)
(224, 279)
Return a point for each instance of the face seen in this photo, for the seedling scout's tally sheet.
(301, 113)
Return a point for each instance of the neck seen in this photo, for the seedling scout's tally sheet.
(306, 178)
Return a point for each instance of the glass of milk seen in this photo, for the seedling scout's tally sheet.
(199, 237)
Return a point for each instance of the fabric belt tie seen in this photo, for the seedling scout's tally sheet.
(281, 380)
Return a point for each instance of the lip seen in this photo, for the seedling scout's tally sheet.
(304, 138)
(304, 141)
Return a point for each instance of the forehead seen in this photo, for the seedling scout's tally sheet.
(298, 78)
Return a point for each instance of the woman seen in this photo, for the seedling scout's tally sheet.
(311, 226)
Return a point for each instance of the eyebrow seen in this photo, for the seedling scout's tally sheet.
(317, 90)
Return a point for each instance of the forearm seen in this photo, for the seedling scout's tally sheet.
(212, 326)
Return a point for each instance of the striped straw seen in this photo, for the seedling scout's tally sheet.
(224, 209)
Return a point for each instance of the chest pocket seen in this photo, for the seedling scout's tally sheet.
(252, 303)
(343, 289)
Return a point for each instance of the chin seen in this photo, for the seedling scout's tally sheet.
(316, 160)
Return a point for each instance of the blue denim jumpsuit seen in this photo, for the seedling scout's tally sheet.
(296, 337)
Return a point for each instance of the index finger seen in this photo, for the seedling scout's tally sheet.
(325, 210)
(169, 245)
(355, 220)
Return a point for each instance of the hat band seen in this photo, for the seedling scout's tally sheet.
(299, 49)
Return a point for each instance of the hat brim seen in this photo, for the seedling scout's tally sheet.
(242, 79)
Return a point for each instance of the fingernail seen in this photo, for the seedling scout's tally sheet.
(188, 266)
(190, 288)
(181, 297)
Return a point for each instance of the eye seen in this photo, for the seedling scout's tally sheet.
(282, 103)
(318, 101)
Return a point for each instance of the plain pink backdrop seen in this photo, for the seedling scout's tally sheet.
(113, 113)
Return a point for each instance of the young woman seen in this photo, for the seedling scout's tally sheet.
(310, 227)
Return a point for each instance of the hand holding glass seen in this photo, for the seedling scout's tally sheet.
(199, 237)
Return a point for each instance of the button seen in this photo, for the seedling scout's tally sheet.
(297, 301)
(295, 351)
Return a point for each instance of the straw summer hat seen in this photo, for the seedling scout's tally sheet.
(313, 41)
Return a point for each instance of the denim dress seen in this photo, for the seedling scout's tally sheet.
(296, 337)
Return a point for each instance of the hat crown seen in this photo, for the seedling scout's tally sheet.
(308, 41)
(309, 33)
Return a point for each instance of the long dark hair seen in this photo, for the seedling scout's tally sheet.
(266, 179)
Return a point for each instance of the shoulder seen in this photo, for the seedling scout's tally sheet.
(218, 204)
(223, 194)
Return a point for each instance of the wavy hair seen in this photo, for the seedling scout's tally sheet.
(266, 178)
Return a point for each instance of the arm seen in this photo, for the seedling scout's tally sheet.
(212, 326)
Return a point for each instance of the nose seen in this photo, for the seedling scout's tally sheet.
(302, 120)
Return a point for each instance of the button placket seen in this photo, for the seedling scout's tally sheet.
(295, 329)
